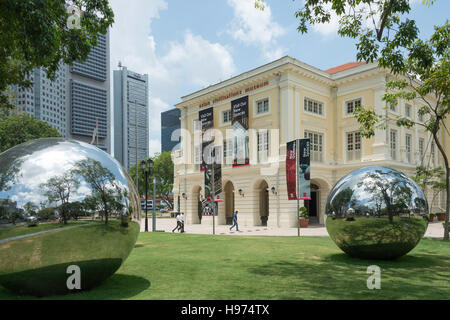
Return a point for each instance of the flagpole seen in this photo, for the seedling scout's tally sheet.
(97, 131)
(137, 160)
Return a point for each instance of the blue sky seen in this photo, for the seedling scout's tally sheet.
(185, 46)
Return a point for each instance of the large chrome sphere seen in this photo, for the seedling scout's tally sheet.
(376, 213)
(88, 213)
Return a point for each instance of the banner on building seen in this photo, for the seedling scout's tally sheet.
(210, 208)
(291, 170)
(304, 163)
(206, 118)
(213, 177)
(239, 109)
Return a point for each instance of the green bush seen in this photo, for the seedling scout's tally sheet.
(304, 213)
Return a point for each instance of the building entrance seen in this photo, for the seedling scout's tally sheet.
(312, 207)
(264, 203)
(229, 202)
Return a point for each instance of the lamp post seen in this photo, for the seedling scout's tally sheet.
(145, 168)
(150, 161)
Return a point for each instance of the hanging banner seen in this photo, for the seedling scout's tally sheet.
(304, 163)
(208, 183)
(239, 109)
(206, 118)
(209, 204)
(291, 170)
(209, 208)
(213, 177)
(218, 182)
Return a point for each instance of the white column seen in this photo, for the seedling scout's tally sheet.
(297, 114)
(380, 145)
(284, 105)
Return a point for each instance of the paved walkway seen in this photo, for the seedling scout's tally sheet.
(435, 229)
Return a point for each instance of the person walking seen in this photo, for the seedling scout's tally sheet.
(178, 227)
(235, 223)
(182, 222)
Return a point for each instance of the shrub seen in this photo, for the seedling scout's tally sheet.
(304, 213)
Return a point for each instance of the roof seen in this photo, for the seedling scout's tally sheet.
(344, 67)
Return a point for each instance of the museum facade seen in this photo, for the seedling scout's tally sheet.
(289, 100)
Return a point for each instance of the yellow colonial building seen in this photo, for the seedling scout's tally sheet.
(288, 100)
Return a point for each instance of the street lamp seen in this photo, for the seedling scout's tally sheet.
(145, 167)
(150, 165)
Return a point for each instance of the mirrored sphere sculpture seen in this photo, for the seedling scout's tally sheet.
(376, 213)
(69, 217)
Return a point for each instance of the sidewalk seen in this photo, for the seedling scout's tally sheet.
(435, 229)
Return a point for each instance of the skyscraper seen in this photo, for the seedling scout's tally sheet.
(170, 122)
(131, 117)
(89, 99)
(45, 100)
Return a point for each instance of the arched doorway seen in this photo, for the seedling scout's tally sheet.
(229, 202)
(262, 190)
(313, 205)
(320, 190)
(196, 205)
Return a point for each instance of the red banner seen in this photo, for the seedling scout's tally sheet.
(291, 170)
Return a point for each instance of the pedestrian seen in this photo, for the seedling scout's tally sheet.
(182, 222)
(178, 227)
(235, 223)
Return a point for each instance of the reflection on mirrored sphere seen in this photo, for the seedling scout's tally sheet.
(69, 217)
(376, 213)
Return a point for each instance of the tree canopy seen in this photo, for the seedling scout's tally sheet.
(163, 171)
(20, 128)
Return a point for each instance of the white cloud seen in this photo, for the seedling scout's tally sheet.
(274, 54)
(193, 62)
(199, 61)
(255, 27)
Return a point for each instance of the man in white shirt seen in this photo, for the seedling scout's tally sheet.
(182, 222)
(179, 223)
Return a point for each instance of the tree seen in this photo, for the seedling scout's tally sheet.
(20, 128)
(342, 201)
(59, 189)
(46, 214)
(106, 192)
(431, 178)
(30, 208)
(387, 35)
(37, 33)
(164, 173)
(163, 170)
(391, 188)
(3, 213)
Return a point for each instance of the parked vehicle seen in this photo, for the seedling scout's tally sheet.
(31, 221)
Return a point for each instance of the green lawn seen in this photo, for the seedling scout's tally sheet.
(177, 266)
(22, 230)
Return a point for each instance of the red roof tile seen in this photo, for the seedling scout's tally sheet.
(344, 67)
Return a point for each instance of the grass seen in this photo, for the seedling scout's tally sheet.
(22, 230)
(201, 267)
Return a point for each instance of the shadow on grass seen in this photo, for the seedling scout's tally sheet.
(119, 286)
(338, 276)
